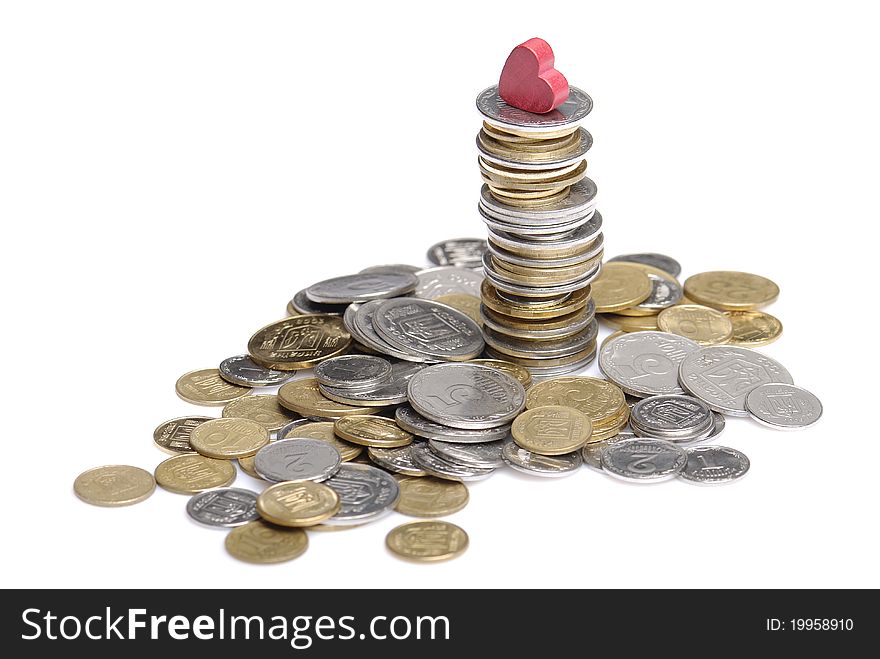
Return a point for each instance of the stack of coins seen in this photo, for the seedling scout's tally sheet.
(675, 418)
(545, 243)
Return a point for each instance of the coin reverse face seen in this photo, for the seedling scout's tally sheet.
(224, 507)
(260, 542)
(552, 430)
(426, 542)
(730, 291)
(115, 485)
(714, 464)
(206, 387)
(783, 406)
(431, 497)
(645, 363)
(644, 460)
(299, 342)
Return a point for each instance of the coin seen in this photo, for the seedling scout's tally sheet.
(289, 427)
(752, 329)
(372, 431)
(666, 291)
(229, 438)
(206, 387)
(260, 542)
(431, 497)
(466, 396)
(783, 406)
(297, 460)
(225, 507)
(114, 485)
(446, 280)
(247, 466)
(193, 473)
(398, 460)
(486, 455)
(498, 113)
(620, 286)
(304, 397)
(394, 268)
(467, 304)
(362, 287)
(297, 504)
(359, 320)
(731, 291)
(434, 465)
(568, 305)
(722, 376)
(301, 304)
(428, 329)
(392, 392)
(629, 323)
(644, 460)
(427, 542)
(547, 349)
(173, 435)
(536, 464)
(645, 363)
(602, 401)
(411, 421)
(263, 409)
(714, 464)
(660, 261)
(245, 372)
(299, 342)
(520, 373)
(365, 493)
(353, 371)
(672, 417)
(323, 430)
(592, 453)
(551, 429)
(698, 323)
(458, 252)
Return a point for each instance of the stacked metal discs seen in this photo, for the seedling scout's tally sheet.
(545, 243)
(675, 418)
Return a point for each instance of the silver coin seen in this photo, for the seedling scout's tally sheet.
(392, 392)
(434, 465)
(672, 416)
(664, 294)
(539, 162)
(644, 460)
(366, 494)
(535, 464)
(595, 251)
(714, 464)
(496, 112)
(224, 507)
(486, 455)
(243, 371)
(547, 349)
(360, 317)
(353, 372)
(722, 376)
(659, 261)
(398, 460)
(467, 396)
(413, 422)
(286, 429)
(720, 423)
(362, 287)
(646, 363)
(458, 252)
(532, 231)
(582, 238)
(783, 406)
(429, 329)
(544, 372)
(394, 268)
(592, 453)
(578, 202)
(297, 460)
(304, 305)
(446, 280)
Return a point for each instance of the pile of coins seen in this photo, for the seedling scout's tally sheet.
(545, 243)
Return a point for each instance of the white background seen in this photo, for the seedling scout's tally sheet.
(172, 172)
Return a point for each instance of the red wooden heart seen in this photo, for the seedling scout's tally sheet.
(529, 81)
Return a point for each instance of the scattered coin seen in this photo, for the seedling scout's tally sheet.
(661, 261)
(666, 291)
(644, 460)
(486, 455)
(193, 473)
(431, 497)
(592, 453)
(753, 329)
(602, 401)
(297, 504)
(392, 392)
(299, 342)
(698, 323)
(393, 268)
(714, 464)
(260, 542)
(365, 493)
(247, 466)
(397, 460)
(440, 467)
(173, 435)
(551, 429)
(302, 305)
(353, 372)
(224, 507)
(226, 439)
(362, 287)
(297, 460)
(645, 363)
(411, 421)
(358, 319)
(427, 542)
(304, 397)
(620, 286)
(783, 406)
(469, 305)
(459, 252)
(731, 291)
(323, 430)
(114, 485)
(245, 372)
(263, 409)
(629, 323)
(520, 373)
(373, 431)
(445, 280)
(536, 464)
(206, 387)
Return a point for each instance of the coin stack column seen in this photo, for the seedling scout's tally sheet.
(545, 240)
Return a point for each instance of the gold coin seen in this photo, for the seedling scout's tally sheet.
(706, 326)
(260, 542)
(584, 354)
(620, 286)
(517, 372)
(305, 398)
(555, 273)
(653, 274)
(551, 429)
(226, 439)
(323, 430)
(514, 140)
(431, 497)
(540, 251)
(574, 302)
(602, 401)
(173, 435)
(291, 310)
(512, 131)
(529, 325)
(206, 387)
(552, 180)
(629, 323)
(731, 291)
(427, 542)
(193, 473)
(299, 342)
(469, 305)
(373, 431)
(114, 485)
(264, 409)
(247, 466)
(752, 329)
(513, 196)
(297, 504)
(535, 204)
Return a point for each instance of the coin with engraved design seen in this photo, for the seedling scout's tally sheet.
(297, 460)
(224, 507)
